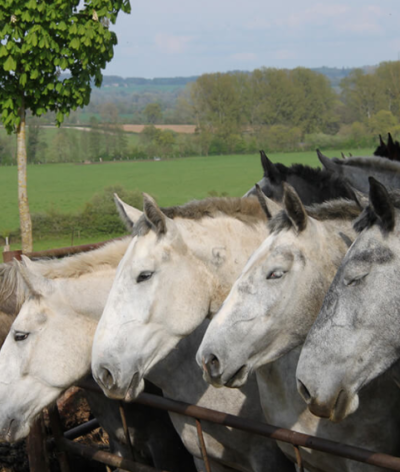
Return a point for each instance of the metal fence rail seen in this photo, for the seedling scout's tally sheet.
(37, 442)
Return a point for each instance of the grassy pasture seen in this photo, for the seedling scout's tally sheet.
(67, 187)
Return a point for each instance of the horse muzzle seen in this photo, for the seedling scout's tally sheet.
(336, 406)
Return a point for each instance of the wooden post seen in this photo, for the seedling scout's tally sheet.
(36, 447)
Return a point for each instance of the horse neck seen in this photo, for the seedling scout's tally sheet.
(87, 294)
(308, 192)
(223, 244)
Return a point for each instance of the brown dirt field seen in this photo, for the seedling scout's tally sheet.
(187, 129)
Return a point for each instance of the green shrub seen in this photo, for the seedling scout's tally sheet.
(98, 217)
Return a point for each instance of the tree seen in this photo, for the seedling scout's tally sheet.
(33, 138)
(362, 94)
(153, 113)
(38, 40)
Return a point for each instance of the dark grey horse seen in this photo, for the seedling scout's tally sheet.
(356, 170)
(312, 185)
(355, 338)
(391, 150)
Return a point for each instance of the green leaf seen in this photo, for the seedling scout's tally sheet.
(3, 51)
(9, 104)
(33, 39)
(10, 64)
(63, 63)
(62, 26)
(23, 79)
(59, 86)
(34, 74)
(75, 43)
(60, 117)
(50, 86)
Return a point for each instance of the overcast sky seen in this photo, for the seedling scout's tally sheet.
(169, 38)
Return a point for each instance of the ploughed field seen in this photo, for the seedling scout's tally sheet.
(67, 187)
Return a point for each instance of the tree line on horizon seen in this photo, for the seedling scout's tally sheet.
(236, 112)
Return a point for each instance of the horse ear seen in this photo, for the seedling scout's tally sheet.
(327, 163)
(391, 147)
(381, 204)
(359, 197)
(343, 156)
(36, 284)
(269, 207)
(154, 215)
(294, 207)
(270, 170)
(128, 214)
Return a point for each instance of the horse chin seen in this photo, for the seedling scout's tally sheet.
(135, 387)
(239, 378)
(15, 430)
(345, 406)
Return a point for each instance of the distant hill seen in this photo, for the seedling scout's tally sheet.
(334, 74)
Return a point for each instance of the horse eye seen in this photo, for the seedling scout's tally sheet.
(355, 280)
(143, 276)
(276, 274)
(20, 336)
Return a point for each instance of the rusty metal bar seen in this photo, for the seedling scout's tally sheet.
(203, 446)
(8, 256)
(55, 423)
(298, 458)
(82, 429)
(280, 434)
(125, 428)
(36, 447)
(104, 457)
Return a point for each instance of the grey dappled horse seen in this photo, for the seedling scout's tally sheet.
(355, 339)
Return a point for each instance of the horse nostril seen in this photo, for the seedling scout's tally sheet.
(302, 389)
(106, 378)
(212, 365)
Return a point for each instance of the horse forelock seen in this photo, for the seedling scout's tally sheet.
(338, 209)
(12, 289)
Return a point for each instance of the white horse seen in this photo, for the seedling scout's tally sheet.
(175, 273)
(49, 349)
(265, 319)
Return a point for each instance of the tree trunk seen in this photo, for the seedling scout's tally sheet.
(23, 205)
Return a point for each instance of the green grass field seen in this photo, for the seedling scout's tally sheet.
(67, 187)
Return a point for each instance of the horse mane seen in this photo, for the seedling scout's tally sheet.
(368, 162)
(107, 256)
(338, 209)
(368, 217)
(300, 170)
(247, 210)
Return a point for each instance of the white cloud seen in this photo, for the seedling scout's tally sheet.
(314, 15)
(171, 44)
